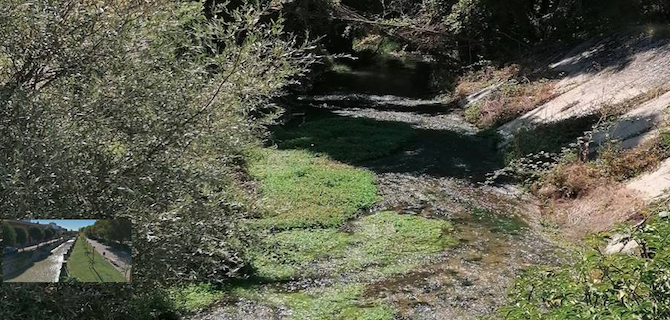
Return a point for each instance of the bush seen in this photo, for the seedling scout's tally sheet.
(626, 164)
(599, 285)
(36, 233)
(8, 235)
(21, 235)
(569, 180)
(138, 110)
(49, 233)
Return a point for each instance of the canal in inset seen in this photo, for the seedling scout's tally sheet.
(46, 270)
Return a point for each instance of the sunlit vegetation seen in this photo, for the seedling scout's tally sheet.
(193, 297)
(303, 190)
(602, 286)
(336, 302)
(156, 111)
(378, 245)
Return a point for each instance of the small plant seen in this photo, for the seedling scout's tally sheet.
(601, 286)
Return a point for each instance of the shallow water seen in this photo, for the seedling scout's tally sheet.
(437, 175)
(45, 270)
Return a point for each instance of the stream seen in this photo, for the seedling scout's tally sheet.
(438, 175)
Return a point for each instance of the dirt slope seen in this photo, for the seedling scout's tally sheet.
(600, 74)
(632, 71)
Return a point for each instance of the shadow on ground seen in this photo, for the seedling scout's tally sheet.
(389, 146)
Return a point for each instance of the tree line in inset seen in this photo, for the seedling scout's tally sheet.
(14, 235)
(109, 230)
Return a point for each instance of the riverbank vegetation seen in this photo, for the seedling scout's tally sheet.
(118, 231)
(165, 113)
(629, 285)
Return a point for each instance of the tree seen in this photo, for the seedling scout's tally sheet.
(49, 233)
(21, 235)
(36, 233)
(8, 235)
(141, 110)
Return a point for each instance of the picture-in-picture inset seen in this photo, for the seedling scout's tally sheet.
(66, 250)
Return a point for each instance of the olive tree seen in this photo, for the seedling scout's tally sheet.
(140, 110)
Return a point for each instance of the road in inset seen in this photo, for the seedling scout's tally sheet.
(120, 259)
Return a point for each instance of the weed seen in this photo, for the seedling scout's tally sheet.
(381, 45)
(570, 180)
(500, 223)
(339, 302)
(514, 94)
(194, 296)
(626, 164)
(340, 67)
(382, 244)
(309, 191)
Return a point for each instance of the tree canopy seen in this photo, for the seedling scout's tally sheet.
(8, 234)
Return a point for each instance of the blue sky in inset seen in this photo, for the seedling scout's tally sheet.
(68, 224)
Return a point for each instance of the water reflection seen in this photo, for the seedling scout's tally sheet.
(45, 270)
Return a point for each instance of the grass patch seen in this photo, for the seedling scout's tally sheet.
(378, 44)
(310, 191)
(347, 139)
(340, 302)
(384, 243)
(339, 67)
(87, 265)
(194, 297)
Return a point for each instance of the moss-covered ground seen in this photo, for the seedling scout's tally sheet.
(315, 226)
(302, 190)
(346, 139)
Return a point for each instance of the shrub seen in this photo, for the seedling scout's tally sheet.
(49, 233)
(8, 235)
(601, 286)
(21, 235)
(570, 180)
(625, 164)
(36, 233)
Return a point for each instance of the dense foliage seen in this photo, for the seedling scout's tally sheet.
(600, 285)
(118, 230)
(471, 29)
(8, 234)
(137, 110)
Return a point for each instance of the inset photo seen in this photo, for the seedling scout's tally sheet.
(66, 250)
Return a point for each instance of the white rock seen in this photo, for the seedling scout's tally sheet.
(630, 247)
(613, 248)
